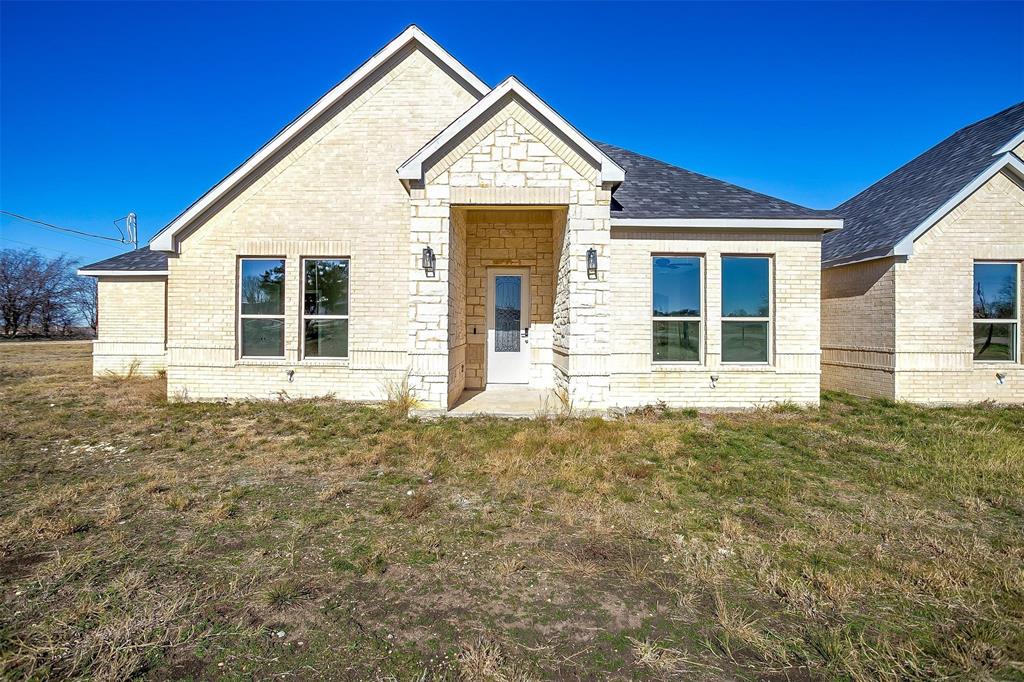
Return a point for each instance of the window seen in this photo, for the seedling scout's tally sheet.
(325, 308)
(746, 308)
(676, 309)
(996, 290)
(261, 307)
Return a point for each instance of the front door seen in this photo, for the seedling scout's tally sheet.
(508, 326)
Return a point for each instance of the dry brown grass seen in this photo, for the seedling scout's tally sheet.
(864, 540)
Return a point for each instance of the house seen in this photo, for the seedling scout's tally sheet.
(415, 225)
(921, 291)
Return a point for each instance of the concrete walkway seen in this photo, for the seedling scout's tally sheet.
(507, 401)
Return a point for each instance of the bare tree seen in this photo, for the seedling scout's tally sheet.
(38, 294)
(84, 300)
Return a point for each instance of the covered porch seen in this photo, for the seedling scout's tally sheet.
(503, 293)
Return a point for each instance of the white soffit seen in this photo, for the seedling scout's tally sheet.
(412, 170)
(164, 240)
(905, 247)
(122, 273)
(823, 224)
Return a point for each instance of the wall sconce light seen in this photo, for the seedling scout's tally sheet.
(591, 263)
(1000, 378)
(429, 261)
(714, 381)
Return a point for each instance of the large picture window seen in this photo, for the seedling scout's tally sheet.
(996, 306)
(261, 307)
(746, 308)
(676, 309)
(325, 307)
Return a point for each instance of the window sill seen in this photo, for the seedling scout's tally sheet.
(678, 367)
(283, 362)
(262, 362)
(323, 362)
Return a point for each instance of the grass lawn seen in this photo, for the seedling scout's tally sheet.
(313, 539)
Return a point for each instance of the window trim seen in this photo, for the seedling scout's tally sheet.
(770, 319)
(1015, 321)
(303, 316)
(700, 320)
(247, 316)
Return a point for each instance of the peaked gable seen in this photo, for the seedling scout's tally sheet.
(445, 147)
(313, 117)
(886, 217)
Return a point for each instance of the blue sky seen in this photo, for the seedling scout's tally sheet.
(107, 108)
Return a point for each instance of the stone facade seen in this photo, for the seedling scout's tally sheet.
(132, 324)
(912, 318)
(513, 159)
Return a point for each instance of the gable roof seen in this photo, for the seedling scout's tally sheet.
(655, 190)
(886, 218)
(164, 240)
(141, 261)
(510, 88)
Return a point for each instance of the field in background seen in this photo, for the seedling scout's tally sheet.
(315, 539)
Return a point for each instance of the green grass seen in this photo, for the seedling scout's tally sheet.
(862, 540)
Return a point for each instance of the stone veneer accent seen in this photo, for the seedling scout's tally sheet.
(511, 151)
(513, 238)
(132, 324)
(930, 295)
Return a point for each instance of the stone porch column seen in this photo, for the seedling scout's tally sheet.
(589, 329)
(428, 299)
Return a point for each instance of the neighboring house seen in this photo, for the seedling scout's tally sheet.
(922, 289)
(507, 249)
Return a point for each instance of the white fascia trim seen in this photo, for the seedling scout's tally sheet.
(1014, 142)
(905, 247)
(123, 273)
(824, 224)
(164, 240)
(412, 170)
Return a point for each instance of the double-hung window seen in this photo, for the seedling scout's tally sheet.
(996, 306)
(676, 309)
(325, 307)
(746, 308)
(261, 307)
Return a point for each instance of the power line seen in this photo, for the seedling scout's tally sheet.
(69, 230)
(45, 248)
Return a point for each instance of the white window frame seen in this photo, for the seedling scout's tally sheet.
(302, 309)
(702, 330)
(770, 345)
(284, 308)
(1015, 321)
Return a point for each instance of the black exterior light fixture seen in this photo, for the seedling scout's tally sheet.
(591, 263)
(429, 261)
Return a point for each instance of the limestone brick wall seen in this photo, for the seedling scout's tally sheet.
(934, 301)
(513, 158)
(858, 328)
(792, 373)
(333, 194)
(512, 238)
(132, 324)
(457, 305)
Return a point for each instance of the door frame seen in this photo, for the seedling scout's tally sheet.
(524, 323)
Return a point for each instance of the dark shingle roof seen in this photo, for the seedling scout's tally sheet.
(655, 189)
(141, 260)
(887, 211)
